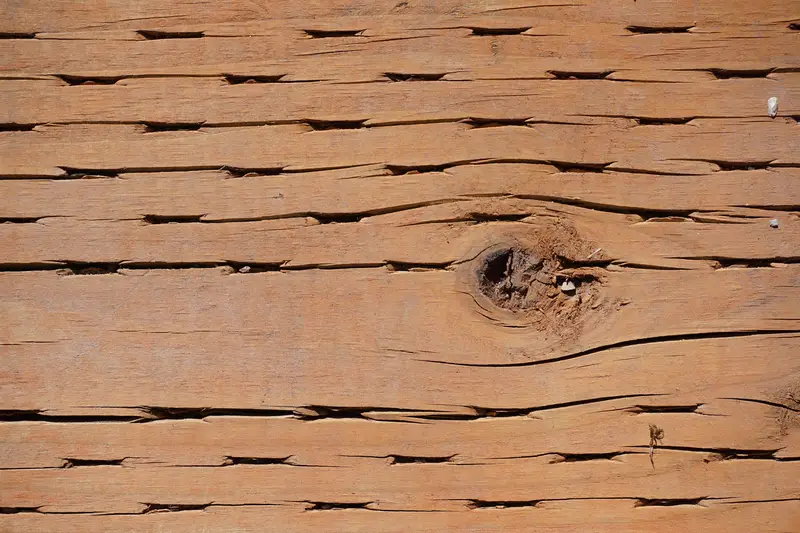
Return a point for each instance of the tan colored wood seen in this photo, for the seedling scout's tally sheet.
(373, 190)
(615, 426)
(128, 490)
(117, 15)
(454, 53)
(214, 101)
(295, 147)
(370, 266)
(608, 516)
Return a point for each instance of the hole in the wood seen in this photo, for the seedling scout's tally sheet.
(168, 219)
(156, 35)
(334, 506)
(794, 26)
(667, 502)
(69, 79)
(499, 31)
(399, 76)
(321, 125)
(503, 504)
(17, 35)
(411, 459)
(549, 291)
(659, 29)
(155, 127)
(572, 75)
(13, 126)
(238, 79)
(662, 121)
(324, 34)
(725, 74)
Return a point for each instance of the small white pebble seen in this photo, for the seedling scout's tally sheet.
(774, 223)
(567, 286)
(244, 269)
(772, 106)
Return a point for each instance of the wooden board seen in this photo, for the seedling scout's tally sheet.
(399, 266)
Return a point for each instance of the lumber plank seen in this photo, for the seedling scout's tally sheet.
(617, 428)
(128, 490)
(373, 190)
(113, 331)
(296, 147)
(213, 101)
(449, 54)
(150, 14)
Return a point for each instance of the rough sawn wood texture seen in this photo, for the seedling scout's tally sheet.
(369, 266)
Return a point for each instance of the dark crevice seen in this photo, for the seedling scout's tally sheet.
(668, 502)
(581, 457)
(399, 76)
(725, 454)
(415, 459)
(662, 121)
(184, 413)
(500, 504)
(72, 462)
(37, 415)
(334, 218)
(231, 460)
(241, 172)
(335, 506)
(575, 75)
(624, 344)
(19, 220)
(489, 412)
(400, 266)
(659, 29)
(18, 510)
(317, 412)
(238, 79)
(498, 31)
(325, 34)
(476, 122)
(645, 214)
(174, 507)
(564, 166)
(794, 26)
(89, 80)
(17, 35)
(728, 262)
(765, 402)
(155, 127)
(14, 126)
(639, 409)
(176, 219)
(322, 125)
(157, 35)
(726, 74)
(399, 170)
(739, 165)
(71, 173)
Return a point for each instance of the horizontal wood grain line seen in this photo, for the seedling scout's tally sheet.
(358, 192)
(437, 236)
(588, 431)
(129, 335)
(99, 16)
(675, 149)
(423, 486)
(609, 516)
(431, 57)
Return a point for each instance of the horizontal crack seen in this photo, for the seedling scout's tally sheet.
(623, 344)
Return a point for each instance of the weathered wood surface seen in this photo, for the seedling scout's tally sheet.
(280, 266)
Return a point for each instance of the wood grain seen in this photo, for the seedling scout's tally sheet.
(377, 266)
